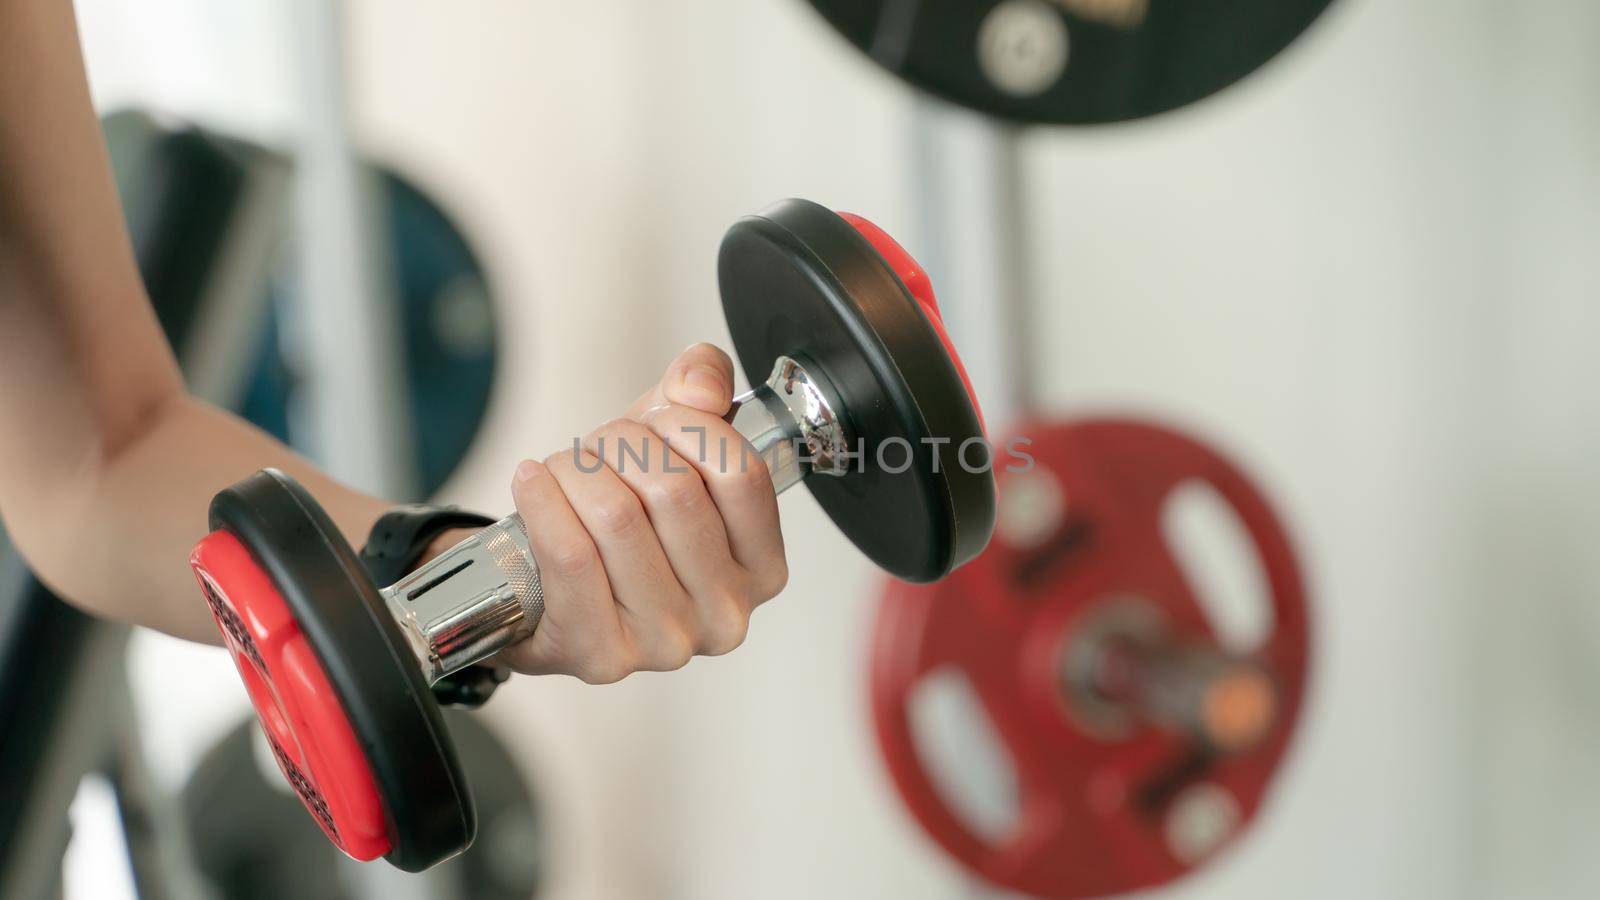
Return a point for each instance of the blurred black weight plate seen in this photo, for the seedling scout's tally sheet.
(212, 225)
(252, 840)
(446, 323)
(1071, 61)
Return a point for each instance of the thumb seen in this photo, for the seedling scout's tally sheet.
(701, 377)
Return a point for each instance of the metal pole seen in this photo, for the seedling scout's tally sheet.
(153, 824)
(967, 180)
(348, 332)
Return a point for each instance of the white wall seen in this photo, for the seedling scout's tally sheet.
(1369, 272)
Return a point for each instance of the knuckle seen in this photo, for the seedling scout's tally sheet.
(688, 437)
(611, 428)
(727, 623)
(606, 664)
(602, 672)
(666, 420)
(561, 459)
(675, 495)
(616, 514)
(572, 558)
(670, 651)
(774, 578)
(605, 440)
(745, 471)
(754, 476)
(662, 420)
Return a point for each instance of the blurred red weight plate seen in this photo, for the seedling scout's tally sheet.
(1137, 737)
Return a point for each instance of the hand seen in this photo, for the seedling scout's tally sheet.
(657, 539)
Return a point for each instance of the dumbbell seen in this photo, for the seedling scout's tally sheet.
(857, 389)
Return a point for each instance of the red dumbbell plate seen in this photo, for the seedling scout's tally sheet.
(303, 719)
(916, 281)
(338, 691)
(1094, 812)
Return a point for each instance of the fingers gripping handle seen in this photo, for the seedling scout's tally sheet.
(484, 593)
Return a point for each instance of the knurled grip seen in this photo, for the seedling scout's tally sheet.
(507, 541)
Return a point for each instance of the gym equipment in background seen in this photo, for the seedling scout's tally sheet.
(838, 327)
(217, 231)
(63, 717)
(1065, 62)
(1140, 734)
(273, 850)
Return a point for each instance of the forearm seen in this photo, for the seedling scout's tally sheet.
(115, 538)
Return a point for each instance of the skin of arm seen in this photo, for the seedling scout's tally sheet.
(108, 466)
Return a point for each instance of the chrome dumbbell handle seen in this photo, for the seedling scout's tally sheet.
(484, 593)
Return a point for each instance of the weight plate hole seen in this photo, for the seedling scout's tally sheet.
(1023, 47)
(963, 755)
(1032, 507)
(1221, 564)
(1200, 821)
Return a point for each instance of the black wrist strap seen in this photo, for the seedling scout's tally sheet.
(395, 546)
(401, 535)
